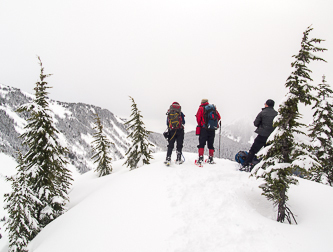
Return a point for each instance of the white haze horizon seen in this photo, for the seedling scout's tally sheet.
(236, 54)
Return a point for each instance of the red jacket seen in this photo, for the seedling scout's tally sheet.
(200, 114)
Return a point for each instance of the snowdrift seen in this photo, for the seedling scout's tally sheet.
(184, 208)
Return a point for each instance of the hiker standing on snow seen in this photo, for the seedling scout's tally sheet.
(175, 122)
(207, 119)
(264, 124)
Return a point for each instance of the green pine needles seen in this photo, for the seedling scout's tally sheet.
(286, 153)
(321, 134)
(42, 173)
(139, 153)
(21, 224)
(101, 148)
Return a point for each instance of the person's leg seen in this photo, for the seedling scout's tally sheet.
(211, 137)
(171, 143)
(202, 142)
(180, 141)
(258, 143)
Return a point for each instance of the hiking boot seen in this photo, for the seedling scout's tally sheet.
(167, 160)
(210, 160)
(179, 157)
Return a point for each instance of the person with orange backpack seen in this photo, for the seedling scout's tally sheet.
(208, 121)
(175, 122)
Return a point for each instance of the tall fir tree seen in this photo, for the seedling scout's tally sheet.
(101, 148)
(286, 151)
(21, 224)
(45, 162)
(321, 133)
(139, 153)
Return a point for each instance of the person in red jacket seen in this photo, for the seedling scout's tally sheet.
(206, 134)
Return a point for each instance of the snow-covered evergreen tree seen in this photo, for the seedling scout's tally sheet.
(45, 162)
(21, 224)
(101, 147)
(139, 153)
(321, 133)
(287, 152)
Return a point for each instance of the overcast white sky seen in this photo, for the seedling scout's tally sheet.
(235, 53)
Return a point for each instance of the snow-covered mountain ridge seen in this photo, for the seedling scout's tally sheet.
(75, 121)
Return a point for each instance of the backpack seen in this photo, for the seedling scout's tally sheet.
(241, 156)
(210, 117)
(174, 116)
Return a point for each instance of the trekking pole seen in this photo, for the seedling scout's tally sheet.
(220, 140)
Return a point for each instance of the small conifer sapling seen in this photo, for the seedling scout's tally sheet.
(139, 153)
(101, 148)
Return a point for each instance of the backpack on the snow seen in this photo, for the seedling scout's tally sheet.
(241, 156)
(174, 116)
(210, 116)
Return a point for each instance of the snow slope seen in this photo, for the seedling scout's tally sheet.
(185, 209)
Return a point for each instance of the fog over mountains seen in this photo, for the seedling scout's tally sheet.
(75, 122)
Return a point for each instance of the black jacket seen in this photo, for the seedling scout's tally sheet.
(264, 121)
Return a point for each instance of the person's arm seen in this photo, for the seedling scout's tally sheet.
(199, 117)
(218, 116)
(258, 120)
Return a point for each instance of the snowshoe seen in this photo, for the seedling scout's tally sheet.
(179, 162)
(247, 168)
(242, 168)
(179, 159)
(210, 160)
(199, 162)
(167, 161)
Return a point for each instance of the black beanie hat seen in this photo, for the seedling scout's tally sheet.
(270, 103)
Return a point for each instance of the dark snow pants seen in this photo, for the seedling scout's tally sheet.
(259, 142)
(175, 135)
(206, 136)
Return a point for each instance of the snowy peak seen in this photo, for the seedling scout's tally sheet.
(75, 122)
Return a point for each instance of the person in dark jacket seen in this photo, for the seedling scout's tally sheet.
(264, 124)
(205, 135)
(175, 135)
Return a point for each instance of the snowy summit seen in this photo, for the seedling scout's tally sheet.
(183, 208)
